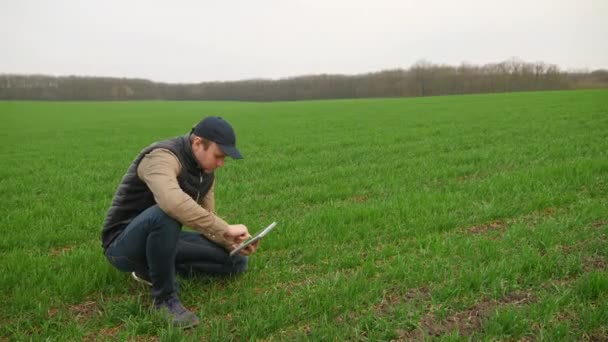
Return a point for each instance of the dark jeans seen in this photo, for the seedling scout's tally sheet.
(154, 244)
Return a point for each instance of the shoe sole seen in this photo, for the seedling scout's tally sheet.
(188, 326)
(191, 322)
(140, 280)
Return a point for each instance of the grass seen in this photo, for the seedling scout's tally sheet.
(450, 218)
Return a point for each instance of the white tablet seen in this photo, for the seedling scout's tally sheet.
(255, 238)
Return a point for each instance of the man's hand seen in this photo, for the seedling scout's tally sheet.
(239, 233)
(236, 233)
(250, 249)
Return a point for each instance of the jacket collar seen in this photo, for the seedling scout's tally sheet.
(189, 155)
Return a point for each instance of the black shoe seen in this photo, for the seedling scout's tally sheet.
(179, 315)
(142, 278)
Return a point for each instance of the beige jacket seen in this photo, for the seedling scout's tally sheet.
(159, 170)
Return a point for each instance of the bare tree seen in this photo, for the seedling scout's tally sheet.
(423, 78)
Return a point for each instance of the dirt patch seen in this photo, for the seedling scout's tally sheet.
(530, 219)
(599, 224)
(85, 311)
(385, 261)
(582, 245)
(81, 312)
(599, 335)
(57, 251)
(486, 227)
(468, 177)
(387, 303)
(533, 218)
(348, 317)
(358, 199)
(290, 286)
(146, 338)
(395, 297)
(466, 322)
(517, 298)
(111, 334)
(105, 334)
(52, 312)
(595, 263)
(307, 329)
(566, 249)
(549, 211)
(392, 298)
(564, 316)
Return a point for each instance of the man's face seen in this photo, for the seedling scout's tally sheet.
(208, 159)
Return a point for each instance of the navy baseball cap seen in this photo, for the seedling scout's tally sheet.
(216, 129)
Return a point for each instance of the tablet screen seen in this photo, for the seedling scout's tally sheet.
(254, 238)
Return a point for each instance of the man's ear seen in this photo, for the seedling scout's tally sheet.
(195, 142)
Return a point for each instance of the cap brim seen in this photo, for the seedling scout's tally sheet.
(231, 151)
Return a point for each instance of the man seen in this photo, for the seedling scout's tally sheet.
(170, 184)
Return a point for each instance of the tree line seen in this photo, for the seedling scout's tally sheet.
(421, 79)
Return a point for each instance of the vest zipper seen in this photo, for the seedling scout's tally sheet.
(198, 192)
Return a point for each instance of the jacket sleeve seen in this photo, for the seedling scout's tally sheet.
(209, 199)
(159, 170)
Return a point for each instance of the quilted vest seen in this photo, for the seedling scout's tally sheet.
(133, 195)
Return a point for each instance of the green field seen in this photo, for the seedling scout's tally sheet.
(454, 217)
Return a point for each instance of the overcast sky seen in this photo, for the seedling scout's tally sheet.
(199, 40)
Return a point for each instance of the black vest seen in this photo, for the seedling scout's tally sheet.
(133, 195)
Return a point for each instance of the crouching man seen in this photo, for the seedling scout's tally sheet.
(169, 185)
